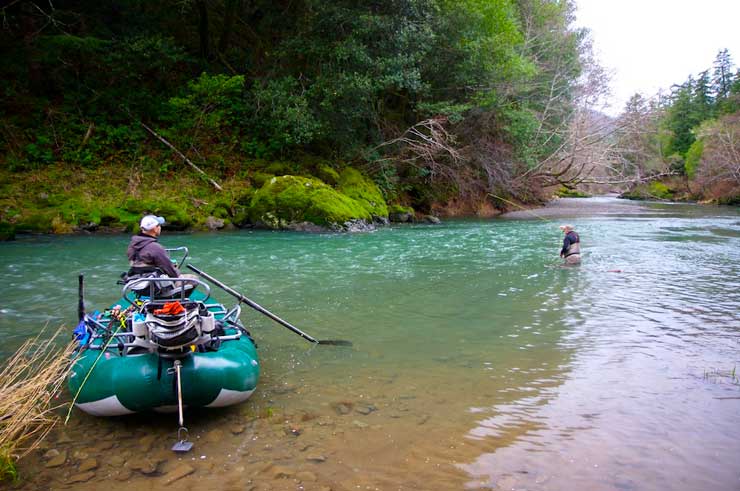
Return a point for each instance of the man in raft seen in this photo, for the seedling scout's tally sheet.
(145, 253)
(571, 250)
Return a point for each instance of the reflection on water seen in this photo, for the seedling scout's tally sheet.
(477, 362)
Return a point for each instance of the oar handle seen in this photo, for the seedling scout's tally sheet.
(252, 304)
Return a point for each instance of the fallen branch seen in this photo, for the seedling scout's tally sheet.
(182, 156)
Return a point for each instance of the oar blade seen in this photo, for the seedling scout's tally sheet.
(335, 342)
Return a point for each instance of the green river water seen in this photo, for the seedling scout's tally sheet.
(477, 361)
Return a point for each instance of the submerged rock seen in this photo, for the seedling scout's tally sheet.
(401, 214)
(88, 464)
(366, 409)
(177, 473)
(57, 460)
(82, 477)
(213, 223)
(342, 408)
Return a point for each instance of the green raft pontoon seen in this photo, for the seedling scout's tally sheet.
(130, 356)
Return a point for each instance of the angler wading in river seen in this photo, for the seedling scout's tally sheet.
(571, 250)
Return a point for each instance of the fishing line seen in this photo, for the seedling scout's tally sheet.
(74, 400)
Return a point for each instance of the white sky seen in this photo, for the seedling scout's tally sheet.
(652, 44)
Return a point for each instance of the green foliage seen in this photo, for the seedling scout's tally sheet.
(291, 199)
(8, 471)
(453, 112)
(659, 190)
(331, 79)
(174, 210)
(693, 157)
(211, 103)
(364, 191)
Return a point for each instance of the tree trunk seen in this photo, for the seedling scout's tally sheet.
(231, 7)
(205, 43)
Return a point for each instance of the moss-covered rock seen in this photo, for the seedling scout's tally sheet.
(653, 190)
(564, 192)
(288, 200)
(328, 174)
(364, 191)
(400, 214)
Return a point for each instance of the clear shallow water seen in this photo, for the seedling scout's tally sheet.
(477, 362)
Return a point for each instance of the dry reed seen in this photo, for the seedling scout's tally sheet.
(29, 385)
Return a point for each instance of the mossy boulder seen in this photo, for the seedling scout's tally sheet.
(654, 190)
(328, 174)
(364, 191)
(288, 200)
(564, 192)
(400, 214)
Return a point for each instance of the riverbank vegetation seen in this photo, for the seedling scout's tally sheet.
(30, 382)
(193, 109)
(683, 144)
(433, 102)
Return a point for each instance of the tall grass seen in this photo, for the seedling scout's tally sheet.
(30, 382)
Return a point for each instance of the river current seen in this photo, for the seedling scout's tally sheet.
(478, 361)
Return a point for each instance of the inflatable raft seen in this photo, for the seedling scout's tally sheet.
(165, 344)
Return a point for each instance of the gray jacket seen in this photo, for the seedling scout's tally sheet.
(144, 250)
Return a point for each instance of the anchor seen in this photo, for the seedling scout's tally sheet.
(182, 445)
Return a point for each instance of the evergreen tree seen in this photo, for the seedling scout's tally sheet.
(722, 75)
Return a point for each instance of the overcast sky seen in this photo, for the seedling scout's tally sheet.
(653, 44)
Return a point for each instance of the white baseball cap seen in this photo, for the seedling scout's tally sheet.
(151, 221)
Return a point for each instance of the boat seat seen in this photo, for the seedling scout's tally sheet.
(161, 290)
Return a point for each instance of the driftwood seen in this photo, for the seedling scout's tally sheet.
(182, 156)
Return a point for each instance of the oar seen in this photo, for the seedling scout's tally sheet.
(262, 310)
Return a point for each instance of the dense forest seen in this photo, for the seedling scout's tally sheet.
(246, 112)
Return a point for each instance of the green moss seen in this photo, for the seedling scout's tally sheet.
(564, 192)
(654, 190)
(292, 199)
(399, 209)
(279, 168)
(260, 178)
(660, 190)
(364, 191)
(174, 210)
(39, 221)
(328, 174)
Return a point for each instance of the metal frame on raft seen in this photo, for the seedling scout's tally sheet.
(230, 317)
(107, 337)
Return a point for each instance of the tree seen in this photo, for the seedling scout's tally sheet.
(722, 76)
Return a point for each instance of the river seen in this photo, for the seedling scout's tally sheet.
(478, 362)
